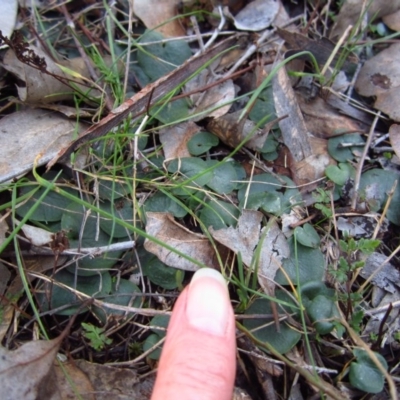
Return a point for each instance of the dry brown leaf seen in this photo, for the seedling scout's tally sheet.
(25, 135)
(174, 139)
(232, 132)
(163, 227)
(394, 136)
(324, 121)
(82, 384)
(321, 49)
(40, 87)
(211, 98)
(102, 382)
(313, 167)
(392, 21)
(153, 13)
(351, 12)
(24, 372)
(293, 128)
(380, 77)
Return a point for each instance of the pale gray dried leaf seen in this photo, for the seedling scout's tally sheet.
(380, 77)
(386, 276)
(392, 321)
(163, 227)
(247, 236)
(174, 139)
(31, 136)
(8, 16)
(256, 15)
(37, 236)
(244, 238)
(24, 372)
(394, 135)
(274, 249)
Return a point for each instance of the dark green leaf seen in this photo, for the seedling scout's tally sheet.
(339, 149)
(364, 374)
(339, 174)
(282, 341)
(375, 185)
(219, 214)
(189, 167)
(160, 202)
(162, 275)
(201, 142)
(307, 236)
(94, 286)
(157, 59)
(224, 177)
(122, 209)
(123, 293)
(306, 265)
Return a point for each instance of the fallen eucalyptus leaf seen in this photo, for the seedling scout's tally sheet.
(163, 227)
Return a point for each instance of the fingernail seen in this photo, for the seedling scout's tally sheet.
(208, 305)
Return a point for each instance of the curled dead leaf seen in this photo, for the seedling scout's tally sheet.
(163, 227)
(380, 77)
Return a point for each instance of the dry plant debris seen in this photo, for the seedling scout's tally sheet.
(143, 140)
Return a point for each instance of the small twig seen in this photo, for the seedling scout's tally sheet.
(336, 49)
(253, 48)
(385, 209)
(129, 46)
(197, 32)
(216, 31)
(362, 159)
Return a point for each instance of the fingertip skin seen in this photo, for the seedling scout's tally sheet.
(198, 363)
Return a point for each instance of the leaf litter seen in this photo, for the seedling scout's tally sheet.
(226, 158)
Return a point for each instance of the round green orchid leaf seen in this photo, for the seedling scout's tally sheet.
(160, 57)
(339, 174)
(160, 202)
(282, 341)
(341, 147)
(51, 207)
(123, 293)
(122, 209)
(56, 298)
(189, 167)
(201, 142)
(319, 301)
(224, 177)
(307, 236)
(304, 265)
(219, 214)
(159, 325)
(73, 218)
(364, 374)
(162, 275)
(151, 341)
(375, 185)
